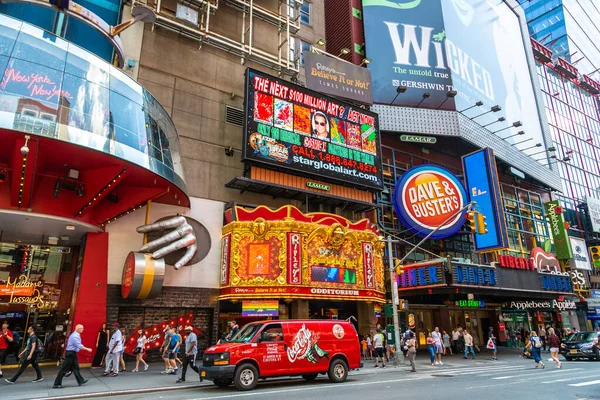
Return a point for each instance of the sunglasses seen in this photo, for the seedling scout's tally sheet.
(321, 123)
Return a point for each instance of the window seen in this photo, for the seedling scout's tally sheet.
(305, 13)
(272, 333)
(297, 49)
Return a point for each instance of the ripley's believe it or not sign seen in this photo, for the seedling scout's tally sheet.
(291, 127)
(425, 197)
(285, 254)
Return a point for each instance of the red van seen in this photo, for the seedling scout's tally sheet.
(283, 348)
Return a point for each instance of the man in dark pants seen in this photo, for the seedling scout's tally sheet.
(191, 350)
(71, 362)
(29, 356)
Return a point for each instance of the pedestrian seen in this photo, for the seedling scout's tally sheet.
(363, 346)
(468, 343)
(29, 356)
(122, 354)
(455, 339)
(164, 348)
(461, 340)
(412, 351)
(523, 336)
(535, 344)
(191, 351)
(370, 345)
(431, 348)
(233, 330)
(447, 345)
(115, 345)
(491, 344)
(554, 345)
(6, 337)
(378, 339)
(139, 351)
(542, 334)
(71, 362)
(437, 338)
(101, 346)
(172, 350)
(178, 362)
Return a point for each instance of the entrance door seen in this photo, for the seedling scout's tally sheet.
(485, 329)
(272, 350)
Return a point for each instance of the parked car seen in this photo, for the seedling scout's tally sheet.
(581, 345)
(283, 348)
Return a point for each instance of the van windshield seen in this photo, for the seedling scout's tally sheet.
(246, 334)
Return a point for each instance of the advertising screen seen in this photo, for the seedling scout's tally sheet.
(290, 127)
(434, 46)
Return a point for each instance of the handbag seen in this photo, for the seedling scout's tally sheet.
(490, 344)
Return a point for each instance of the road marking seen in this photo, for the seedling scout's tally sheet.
(493, 370)
(545, 373)
(572, 378)
(585, 383)
(316, 387)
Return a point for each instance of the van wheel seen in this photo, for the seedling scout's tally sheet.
(338, 371)
(246, 377)
(223, 383)
(310, 377)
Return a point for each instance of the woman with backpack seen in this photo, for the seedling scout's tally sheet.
(535, 343)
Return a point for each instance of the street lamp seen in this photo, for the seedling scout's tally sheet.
(400, 89)
(321, 42)
(515, 124)
(495, 108)
(501, 119)
(516, 134)
(426, 95)
(450, 95)
(344, 51)
(365, 61)
(477, 104)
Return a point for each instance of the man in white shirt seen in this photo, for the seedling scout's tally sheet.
(115, 345)
(378, 346)
(455, 339)
(468, 343)
(438, 349)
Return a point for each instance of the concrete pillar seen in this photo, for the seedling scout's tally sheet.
(300, 309)
(366, 318)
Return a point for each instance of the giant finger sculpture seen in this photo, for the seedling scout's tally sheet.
(182, 236)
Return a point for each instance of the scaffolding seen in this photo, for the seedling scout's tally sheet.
(285, 19)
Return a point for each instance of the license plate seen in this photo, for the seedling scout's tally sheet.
(203, 373)
(573, 352)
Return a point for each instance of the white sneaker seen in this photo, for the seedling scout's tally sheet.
(441, 363)
(146, 367)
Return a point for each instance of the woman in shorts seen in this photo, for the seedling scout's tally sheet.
(554, 344)
(139, 351)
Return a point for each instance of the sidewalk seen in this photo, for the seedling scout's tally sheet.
(153, 381)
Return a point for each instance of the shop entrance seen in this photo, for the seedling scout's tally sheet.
(36, 288)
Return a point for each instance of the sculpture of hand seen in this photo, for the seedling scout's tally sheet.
(182, 236)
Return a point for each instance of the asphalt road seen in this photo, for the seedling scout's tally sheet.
(457, 379)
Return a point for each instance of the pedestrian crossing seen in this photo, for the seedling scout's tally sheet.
(502, 373)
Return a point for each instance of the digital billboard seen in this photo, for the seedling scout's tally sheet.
(290, 127)
(434, 46)
(481, 181)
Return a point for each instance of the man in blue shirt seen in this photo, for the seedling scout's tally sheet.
(71, 362)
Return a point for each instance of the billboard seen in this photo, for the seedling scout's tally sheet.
(559, 231)
(481, 181)
(434, 46)
(338, 78)
(594, 212)
(581, 257)
(427, 197)
(293, 128)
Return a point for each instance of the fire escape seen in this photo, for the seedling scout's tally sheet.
(192, 19)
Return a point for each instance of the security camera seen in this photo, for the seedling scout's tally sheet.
(24, 150)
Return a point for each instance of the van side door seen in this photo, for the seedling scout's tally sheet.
(272, 356)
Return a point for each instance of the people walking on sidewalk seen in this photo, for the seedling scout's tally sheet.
(447, 345)
(139, 351)
(101, 347)
(542, 334)
(115, 345)
(164, 348)
(491, 344)
(455, 340)
(431, 348)
(535, 344)
(172, 350)
(71, 362)
(437, 338)
(378, 339)
(412, 350)
(6, 337)
(468, 343)
(554, 345)
(29, 357)
(191, 350)
(122, 353)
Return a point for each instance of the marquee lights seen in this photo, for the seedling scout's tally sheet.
(100, 193)
(108, 221)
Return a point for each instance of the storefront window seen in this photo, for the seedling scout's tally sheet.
(36, 285)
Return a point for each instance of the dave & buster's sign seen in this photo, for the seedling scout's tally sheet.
(291, 127)
(426, 197)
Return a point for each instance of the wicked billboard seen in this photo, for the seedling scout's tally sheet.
(292, 128)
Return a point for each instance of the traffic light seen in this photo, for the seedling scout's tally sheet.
(471, 221)
(481, 224)
(595, 254)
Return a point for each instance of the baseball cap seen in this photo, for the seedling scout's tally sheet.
(188, 328)
(116, 325)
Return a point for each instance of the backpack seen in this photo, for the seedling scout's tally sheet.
(537, 343)
(39, 347)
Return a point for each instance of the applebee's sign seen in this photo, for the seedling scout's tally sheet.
(554, 304)
(559, 232)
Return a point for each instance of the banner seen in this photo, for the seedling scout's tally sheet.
(558, 230)
(581, 258)
(338, 78)
(292, 128)
(481, 179)
(593, 205)
(260, 308)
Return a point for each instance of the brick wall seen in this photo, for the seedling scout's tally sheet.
(172, 302)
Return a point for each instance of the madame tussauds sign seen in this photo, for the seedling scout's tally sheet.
(554, 304)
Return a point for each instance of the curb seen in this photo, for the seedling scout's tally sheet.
(124, 392)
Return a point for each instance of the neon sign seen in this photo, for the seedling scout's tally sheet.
(38, 85)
